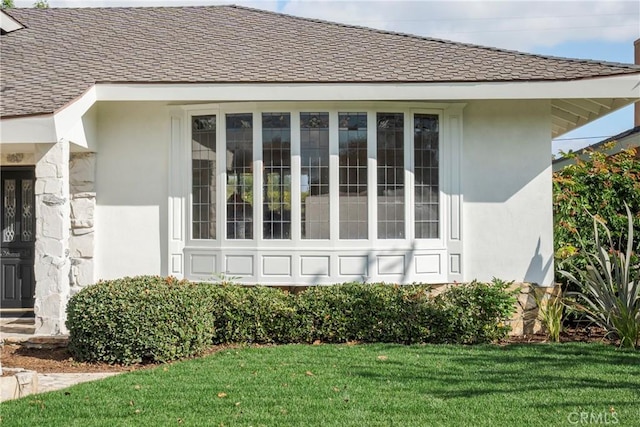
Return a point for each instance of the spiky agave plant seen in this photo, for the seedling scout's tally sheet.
(610, 286)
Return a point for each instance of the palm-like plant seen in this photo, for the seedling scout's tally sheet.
(610, 286)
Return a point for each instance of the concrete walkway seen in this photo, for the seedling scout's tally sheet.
(26, 383)
(23, 383)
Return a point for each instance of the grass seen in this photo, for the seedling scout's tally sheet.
(362, 385)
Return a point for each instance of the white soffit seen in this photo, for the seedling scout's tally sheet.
(568, 113)
(8, 24)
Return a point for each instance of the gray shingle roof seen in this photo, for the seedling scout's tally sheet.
(62, 52)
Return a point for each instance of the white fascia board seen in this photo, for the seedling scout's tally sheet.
(626, 86)
(28, 130)
(8, 24)
(48, 128)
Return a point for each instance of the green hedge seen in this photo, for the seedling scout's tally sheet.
(142, 318)
(159, 319)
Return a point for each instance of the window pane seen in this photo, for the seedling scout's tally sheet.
(276, 155)
(203, 170)
(426, 176)
(239, 176)
(390, 155)
(314, 175)
(28, 216)
(353, 175)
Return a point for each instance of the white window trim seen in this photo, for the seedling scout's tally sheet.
(181, 165)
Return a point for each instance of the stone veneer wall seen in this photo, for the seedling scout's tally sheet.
(83, 203)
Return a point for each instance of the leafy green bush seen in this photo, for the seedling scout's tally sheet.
(600, 186)
(473, 313)
(156, 319)
(610, 285)
(364, 312)
(140, 318)
(254, 315)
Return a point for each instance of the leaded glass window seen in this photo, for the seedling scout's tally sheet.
(239, 176)
(203, 176)
(390, 157)
(426, 187)
(9, 205)
(314, 175)
(27, 210)
(352, 140)
(276, 155)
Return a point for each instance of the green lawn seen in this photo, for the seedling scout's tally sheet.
(363, 385)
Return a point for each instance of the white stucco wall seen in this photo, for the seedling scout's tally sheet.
(506, 181)
(131, 188)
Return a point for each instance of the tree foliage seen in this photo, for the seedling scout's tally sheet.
(599, 186)
(7, 4)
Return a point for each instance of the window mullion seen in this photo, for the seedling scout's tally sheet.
(334, 181)
(408, 177)
(258, 200)
(372, 175)
(296, 215)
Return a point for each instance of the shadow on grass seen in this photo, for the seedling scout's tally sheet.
(473, 371)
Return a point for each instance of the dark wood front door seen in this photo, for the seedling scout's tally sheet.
(18, 236)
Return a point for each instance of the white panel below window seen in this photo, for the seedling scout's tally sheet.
(354, 265)
(314, 266)
(454, 264)
(203, 264)
(176, 264)
(276, 266)
(390, 264)
(239, 265)
(427, 264)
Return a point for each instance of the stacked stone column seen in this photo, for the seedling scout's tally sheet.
(52, 263)
(83, 204)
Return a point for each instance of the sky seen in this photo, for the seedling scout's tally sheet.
(600, 30)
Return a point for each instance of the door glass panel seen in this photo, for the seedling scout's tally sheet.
(390, 157)
(426, 147)
(276, 155)
(353, 175)
(9, 207)
(239, 176)
(27, 210)
(203, 177)
(314, 175)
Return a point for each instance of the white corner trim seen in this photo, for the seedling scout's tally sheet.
(69, 116)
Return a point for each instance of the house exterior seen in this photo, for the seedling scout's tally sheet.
(273, 149)
(630, 138)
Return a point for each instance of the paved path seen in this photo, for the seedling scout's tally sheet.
(27, 383)
(20, 330)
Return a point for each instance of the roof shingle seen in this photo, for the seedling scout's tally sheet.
(62, 52)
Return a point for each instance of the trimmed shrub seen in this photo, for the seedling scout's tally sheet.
(145, 318)
(156, 319)
(364, 312)
(473, 313)
(254, 315)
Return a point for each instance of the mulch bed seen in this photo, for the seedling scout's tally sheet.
(59, 360)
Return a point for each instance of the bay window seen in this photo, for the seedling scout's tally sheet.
(310, 179)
